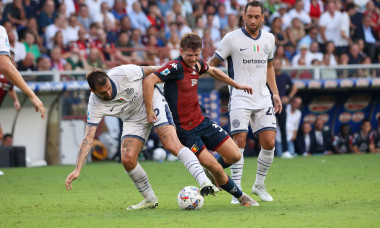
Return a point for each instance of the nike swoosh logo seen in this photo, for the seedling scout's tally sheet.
(242, 49)
(274, 123)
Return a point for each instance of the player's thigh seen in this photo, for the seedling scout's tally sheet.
(192, 140)
(209, 161)
(239, 120)
(168, 137)
(264, 120)
(161, 109)
(229, 151)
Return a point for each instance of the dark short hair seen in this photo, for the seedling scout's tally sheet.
(254, 4)
(96, 78)
(7, 136)
(191, 41)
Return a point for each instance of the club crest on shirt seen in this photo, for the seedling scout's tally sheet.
(266, 49)
(129, 91)
(165, 72)
(235, 123)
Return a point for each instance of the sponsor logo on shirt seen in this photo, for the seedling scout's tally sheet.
(165, 72)
(254, 61)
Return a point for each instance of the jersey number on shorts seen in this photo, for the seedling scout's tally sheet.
(270, 111)
(217, 126)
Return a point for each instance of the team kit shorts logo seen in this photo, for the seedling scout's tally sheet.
(235, 123)
(194, 148)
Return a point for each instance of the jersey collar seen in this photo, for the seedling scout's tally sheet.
(247, 34)
(114, 89)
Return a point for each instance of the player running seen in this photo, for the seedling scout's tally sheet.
(119, 93)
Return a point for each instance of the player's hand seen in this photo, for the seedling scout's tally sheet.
(17, 105)
(38, 105)
(70, 178)
(277, 104)
(151, 116)
(246, 88)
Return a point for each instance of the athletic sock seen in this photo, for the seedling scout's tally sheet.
(231, 187)
(264, 161)
(223, 163)
(191, 163)
(237, 170)
(141, 181)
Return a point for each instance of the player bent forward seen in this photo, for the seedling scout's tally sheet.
(119, 93)
(194, 129)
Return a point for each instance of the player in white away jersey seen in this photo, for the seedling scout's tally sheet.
(249, 55)
(119, 93)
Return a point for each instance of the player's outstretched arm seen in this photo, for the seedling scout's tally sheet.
(220, 76)
(16, 79)
(148, 88)
(271, 80)
(214, 61)
(13, 95)
(84, 150)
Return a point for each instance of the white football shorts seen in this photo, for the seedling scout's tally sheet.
(140, 128)
(260, 120)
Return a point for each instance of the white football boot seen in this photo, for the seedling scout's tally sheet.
(260, 191)
(209, 189)
(145, 204)
(247, 201)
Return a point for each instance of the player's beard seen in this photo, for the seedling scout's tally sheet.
(251, 30)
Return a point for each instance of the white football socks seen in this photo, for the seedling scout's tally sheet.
(264, 161)
(141, 181)
(192, 164)
(237, 170)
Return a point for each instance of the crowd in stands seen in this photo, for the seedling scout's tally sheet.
(80, 34)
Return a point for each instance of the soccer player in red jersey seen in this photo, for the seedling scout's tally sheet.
(194, 130)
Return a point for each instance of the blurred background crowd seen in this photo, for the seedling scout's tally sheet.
(79, 34)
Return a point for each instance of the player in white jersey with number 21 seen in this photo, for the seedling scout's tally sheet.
(249, 56)
(119, 93)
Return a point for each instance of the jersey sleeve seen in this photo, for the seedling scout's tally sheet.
(4, 42)
(171, 71)
(271, 54)
(94, 113)
(204, 66)
(224, 50)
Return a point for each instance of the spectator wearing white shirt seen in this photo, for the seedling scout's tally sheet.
(329, 25)
(299, 12)
(18, 48)
(283, 15)
(343, 39)
(293, 119)
(104, 13)
(72, 29)
(313, 53)
(94, 8)
(51, 30)
(138, 18)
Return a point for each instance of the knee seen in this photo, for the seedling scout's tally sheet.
(128, 161)
(268, 144)
(240, 140)
(235, 156)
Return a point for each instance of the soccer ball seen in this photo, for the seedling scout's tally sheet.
(159, 154)
(190, 198)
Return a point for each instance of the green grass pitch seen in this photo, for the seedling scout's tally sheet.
(320, 191)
